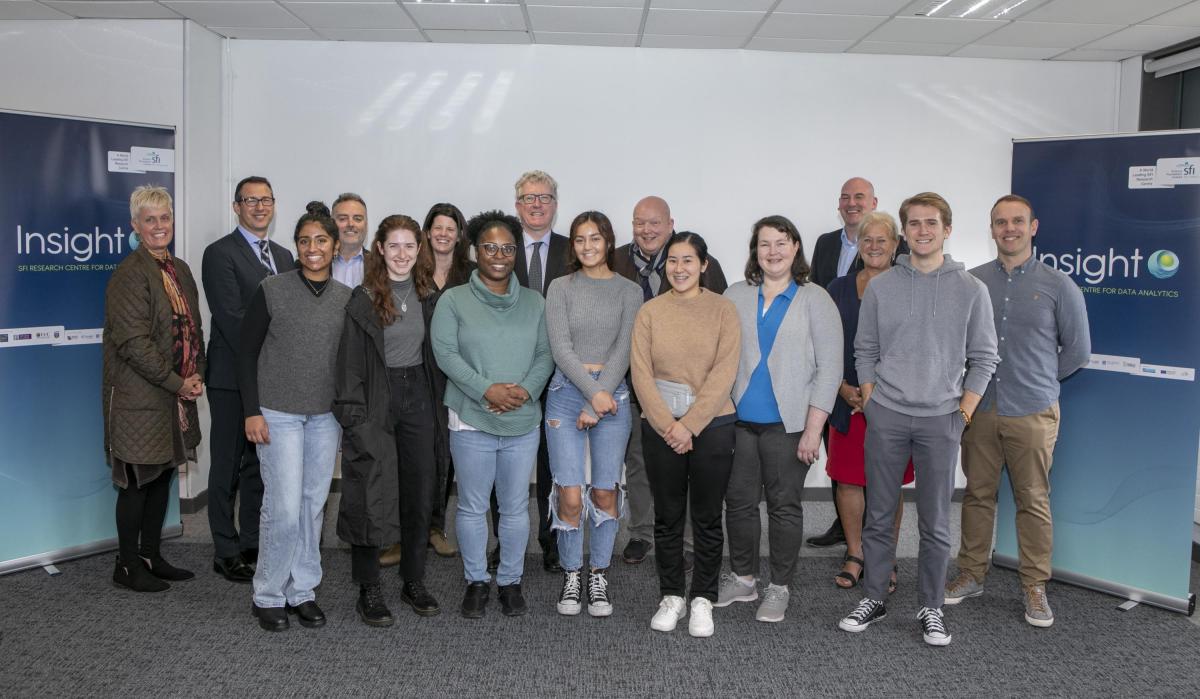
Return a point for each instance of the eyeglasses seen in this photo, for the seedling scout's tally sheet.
(528, 199)
(494, 250)
(255, 201)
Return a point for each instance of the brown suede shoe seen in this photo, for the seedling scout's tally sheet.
(441, 545)
(390, 556)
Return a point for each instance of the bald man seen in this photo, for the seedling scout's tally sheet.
(642, 261)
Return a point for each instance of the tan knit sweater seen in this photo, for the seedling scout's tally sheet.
(693, 341)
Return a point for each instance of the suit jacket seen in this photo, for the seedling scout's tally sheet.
(712, 279)
(231, 273)
(825, 258)
(556, 262)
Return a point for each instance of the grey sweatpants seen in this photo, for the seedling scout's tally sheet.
(932, 443)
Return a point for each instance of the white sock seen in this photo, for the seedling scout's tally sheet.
(746, 579)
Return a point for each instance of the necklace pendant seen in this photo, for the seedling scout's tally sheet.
(404, 306)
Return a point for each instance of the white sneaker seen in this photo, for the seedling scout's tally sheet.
(701, 623)
(670, 610)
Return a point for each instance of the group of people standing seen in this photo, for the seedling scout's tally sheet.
(482, 350)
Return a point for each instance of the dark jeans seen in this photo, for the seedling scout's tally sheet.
(411, 414)
(547, 537)
(697, 478)
(140, 514)
(764, 460)
(233, 469)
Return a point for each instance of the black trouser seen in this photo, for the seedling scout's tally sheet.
(140, 514)
(438, 519)
(697, 478)
(233, 469)
(547, 537)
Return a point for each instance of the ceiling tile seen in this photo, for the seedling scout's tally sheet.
(587, 3)
(101, 9)
(955, 9)
(702, 22)
(297, 33)
(762, 43)
(900, 48)
(586, 20)
(761, 5)
(1047, 34)
(804, 26)
(934, 30)
(579, 39)
(843, 7)
(1033, 53)
(1096, 55)
(683, 41)
(467, 17)
(352, 15)
(457, 36)
(1145, 38)
(245, 13)
(371, 34)
(1102, 11)
(20, 9)
(1186, 16)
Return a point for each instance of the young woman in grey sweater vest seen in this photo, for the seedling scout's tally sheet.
(286, 377)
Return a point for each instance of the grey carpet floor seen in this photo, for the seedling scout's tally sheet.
(75, 635)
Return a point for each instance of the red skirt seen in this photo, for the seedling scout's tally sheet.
(846, 462)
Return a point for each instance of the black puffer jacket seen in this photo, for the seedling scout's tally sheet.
(370, 505)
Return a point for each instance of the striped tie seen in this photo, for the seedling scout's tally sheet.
(265, 256)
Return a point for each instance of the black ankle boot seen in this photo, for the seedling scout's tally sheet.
(137, 578)
(371, 608)
(162, 570)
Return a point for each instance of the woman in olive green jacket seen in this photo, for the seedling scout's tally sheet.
(153, 364)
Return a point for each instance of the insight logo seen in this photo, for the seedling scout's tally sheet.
(1163, 264)
(82, 246)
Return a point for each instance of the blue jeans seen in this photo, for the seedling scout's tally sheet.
(296, 469)
(569, 447)
(481, 461)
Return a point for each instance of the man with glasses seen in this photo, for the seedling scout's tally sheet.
(350, 215)
(232, 268)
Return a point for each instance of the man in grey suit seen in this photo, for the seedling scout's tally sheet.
(232, 269)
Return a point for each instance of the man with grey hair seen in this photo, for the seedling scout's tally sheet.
(350, 215)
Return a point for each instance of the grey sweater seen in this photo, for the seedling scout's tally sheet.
(806, 360)
(925, 338)
(590, 321)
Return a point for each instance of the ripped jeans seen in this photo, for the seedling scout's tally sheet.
(569, 447)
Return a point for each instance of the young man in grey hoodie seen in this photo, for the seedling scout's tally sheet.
(925, 351)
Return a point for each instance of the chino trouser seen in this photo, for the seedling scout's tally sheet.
(1025, 445)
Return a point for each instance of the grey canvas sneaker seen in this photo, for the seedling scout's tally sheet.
(774, 604)
(962, 587)
(1037, 607)
(731, 590)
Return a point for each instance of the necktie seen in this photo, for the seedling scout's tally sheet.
(535, 268)
(265, 257)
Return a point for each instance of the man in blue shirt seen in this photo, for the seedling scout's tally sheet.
(350, 215)
(1042, 329)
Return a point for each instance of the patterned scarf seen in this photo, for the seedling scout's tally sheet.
(186, 341)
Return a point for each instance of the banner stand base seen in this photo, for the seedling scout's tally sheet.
(48, 559)
(1185, 605)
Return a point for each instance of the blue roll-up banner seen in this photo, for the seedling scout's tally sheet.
(1121, 216)
(64, 226)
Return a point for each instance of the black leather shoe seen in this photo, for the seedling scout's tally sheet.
(512, 602)
(234, 569)
(416, 596)
(371, 607)
(834, 536)
(270, 618)
(162, 570)
(635, 551)
(309, 613)
(550, 562)
(250, 556)
(135, 577)
(475, 600)
(493, 560)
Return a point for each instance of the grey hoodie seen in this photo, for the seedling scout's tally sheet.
(917, 333)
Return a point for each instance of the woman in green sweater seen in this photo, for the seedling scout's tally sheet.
(489, 338)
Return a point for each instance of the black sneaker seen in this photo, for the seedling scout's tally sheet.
(866, 613)
(512, 602)
(635, 551)
(598, 602)
(569, 599)
(933, 627)
(371, 607)
(416, 596)
(475, 600)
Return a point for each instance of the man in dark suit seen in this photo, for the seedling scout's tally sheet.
(231, 271)
(541, 258)
(642, 261)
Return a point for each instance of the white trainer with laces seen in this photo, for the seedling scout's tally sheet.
(701, 623)
(670, 610)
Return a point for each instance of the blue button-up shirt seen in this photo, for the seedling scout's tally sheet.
(1042, 331)
(758, 403)
(349, 272)
(846, 254)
